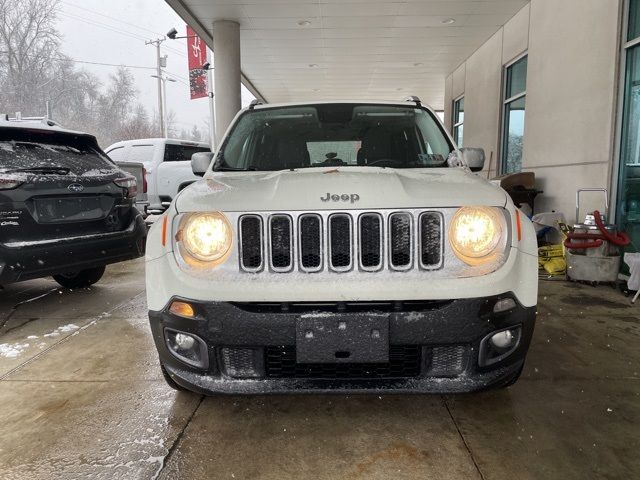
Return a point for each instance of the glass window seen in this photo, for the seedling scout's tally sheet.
(347, 151)
(25, 150)
(140, 154)
(335, 135)
(517, 78)
(634, 20)
(628, 205)
(514, 116)
(180, 153)
(116, 154)
(458, 121)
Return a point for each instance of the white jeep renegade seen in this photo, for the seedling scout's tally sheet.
(341, 246)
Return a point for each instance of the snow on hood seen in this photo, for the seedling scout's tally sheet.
(356, 188)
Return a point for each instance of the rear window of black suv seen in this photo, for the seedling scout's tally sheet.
(26, 150)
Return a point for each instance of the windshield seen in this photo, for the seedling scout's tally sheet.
(335, 135)
(24, 152)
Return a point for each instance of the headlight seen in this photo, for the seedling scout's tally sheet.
(205, 238)
(475, 234)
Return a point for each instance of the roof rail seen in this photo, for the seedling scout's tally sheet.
(253, 103)
(413, 98)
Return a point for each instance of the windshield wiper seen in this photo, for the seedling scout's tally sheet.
(42, 170)
(231, 169)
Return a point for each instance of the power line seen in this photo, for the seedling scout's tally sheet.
(101, 25)
(109, 17)
(73, 60)
(105, 64)
(177, 77)
(114, 29)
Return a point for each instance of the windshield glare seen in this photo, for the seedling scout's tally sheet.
(335, 135)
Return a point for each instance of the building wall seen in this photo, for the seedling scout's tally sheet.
(572, 81)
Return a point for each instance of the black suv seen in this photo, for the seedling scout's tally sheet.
(66, 209)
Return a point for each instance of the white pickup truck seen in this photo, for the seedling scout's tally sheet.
(167, 163)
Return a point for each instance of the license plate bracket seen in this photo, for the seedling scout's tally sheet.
(72, 209)
(342, 339)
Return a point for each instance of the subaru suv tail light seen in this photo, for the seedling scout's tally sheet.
(129, 183)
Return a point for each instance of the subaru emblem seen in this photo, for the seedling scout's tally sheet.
(75, 187)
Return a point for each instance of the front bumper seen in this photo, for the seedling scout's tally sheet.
(434, 347)
(43, 258)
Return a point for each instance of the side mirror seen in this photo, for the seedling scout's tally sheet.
(474, 158)
(200, 162)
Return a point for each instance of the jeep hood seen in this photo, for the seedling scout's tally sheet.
(355, 187)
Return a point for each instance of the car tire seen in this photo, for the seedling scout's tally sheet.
(170, 381)
(83, 278)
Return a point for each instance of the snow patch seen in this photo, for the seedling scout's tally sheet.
(12, 350)
(63, 329)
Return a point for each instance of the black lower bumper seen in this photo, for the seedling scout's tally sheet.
(434, 347)
(41, 259)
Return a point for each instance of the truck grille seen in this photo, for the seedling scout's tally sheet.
(280, 243)
(311, 242)
(404, 362)
(341, 242)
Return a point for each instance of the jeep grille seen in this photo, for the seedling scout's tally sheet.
(341, 241)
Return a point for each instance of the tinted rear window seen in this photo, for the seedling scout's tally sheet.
(179, 153)
(22, 150)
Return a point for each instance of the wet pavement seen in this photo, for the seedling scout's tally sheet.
(82, 396)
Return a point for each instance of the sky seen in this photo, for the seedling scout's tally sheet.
(115, 31)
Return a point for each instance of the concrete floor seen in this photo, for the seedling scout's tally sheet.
(81, 395)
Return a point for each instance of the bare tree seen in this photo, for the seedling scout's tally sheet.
(195, 134)
(29, 42)
(172, 128)
(35, 76)
(138, 126)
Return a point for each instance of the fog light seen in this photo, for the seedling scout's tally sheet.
(186, 347)
(182, 309)
(497, 346)
(504, 305)
(502, 339)
(185, 342)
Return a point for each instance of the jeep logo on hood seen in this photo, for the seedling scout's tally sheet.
(343, 197)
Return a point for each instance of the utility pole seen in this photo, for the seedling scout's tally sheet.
(163, 126)
(212, 104)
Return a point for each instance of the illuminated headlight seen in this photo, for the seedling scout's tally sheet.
(476, 233)
(204, 239)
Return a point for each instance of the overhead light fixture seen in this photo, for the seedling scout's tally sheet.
(313, 65)
(172, 34)
(304, 23)
(418, 64)
(448, 21)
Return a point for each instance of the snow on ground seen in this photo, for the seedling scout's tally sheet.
(71, 327)
(12, 350)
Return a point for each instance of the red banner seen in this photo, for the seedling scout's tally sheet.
(197, 53)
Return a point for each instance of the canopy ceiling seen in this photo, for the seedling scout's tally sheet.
(351, 49)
